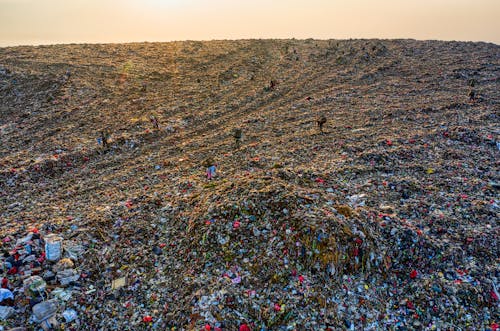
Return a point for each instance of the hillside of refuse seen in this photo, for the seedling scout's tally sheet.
(384, 218)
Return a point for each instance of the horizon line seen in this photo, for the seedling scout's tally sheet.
(63, 43)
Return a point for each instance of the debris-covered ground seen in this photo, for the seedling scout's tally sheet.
(354, 186)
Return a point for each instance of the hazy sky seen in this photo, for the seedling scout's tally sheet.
(75, 21)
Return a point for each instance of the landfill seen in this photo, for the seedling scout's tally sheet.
(250, 185)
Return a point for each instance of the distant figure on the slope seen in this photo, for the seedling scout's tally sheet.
(472, 95)
(272, 86)
(472, 82)
(211, 171)
(237, 134)
(321, 121)
(104, 138)
(154, 121)
(211, 166)
(66, 76)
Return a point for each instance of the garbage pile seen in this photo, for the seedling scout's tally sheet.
(40, 280)
(250, 185)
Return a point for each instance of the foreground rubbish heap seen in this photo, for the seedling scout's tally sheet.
(190, 186)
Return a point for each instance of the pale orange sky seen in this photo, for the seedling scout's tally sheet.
(25, 22)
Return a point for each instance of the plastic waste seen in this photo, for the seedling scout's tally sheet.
(6, 312)
(53, 247)
(61, 294)
(73, 251)
(70, 315)
(44, 310)
(67, 276)
(34, 286)
(5, 294)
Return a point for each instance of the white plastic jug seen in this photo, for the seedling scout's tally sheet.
(53, 247)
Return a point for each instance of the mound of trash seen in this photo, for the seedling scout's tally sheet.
(250, 185)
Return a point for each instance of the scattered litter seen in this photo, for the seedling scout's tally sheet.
(385, 219)
(117, 283)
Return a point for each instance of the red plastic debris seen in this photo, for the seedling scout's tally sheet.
(319, 180)
(244, 327)
(410, 305)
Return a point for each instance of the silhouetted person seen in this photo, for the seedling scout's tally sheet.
(272, 85)
(66, 76)
(321, 122)
(154, 121)
(237, 134)
(472, 82)
(105, 135)
(472, 95)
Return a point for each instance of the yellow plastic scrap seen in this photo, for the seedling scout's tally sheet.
(119, 282)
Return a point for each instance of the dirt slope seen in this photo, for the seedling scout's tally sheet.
(404, 178)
